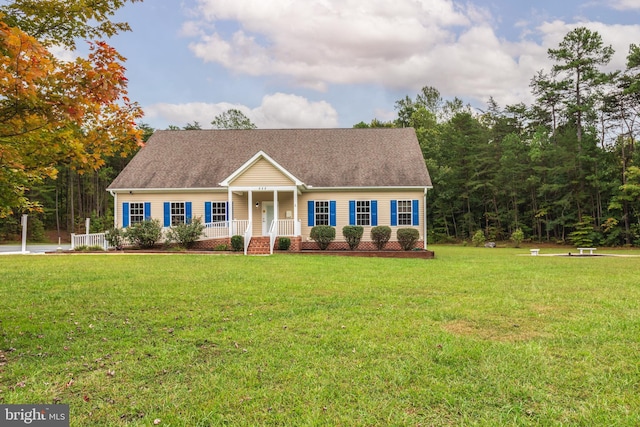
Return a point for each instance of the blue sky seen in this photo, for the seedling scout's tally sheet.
(334, 63)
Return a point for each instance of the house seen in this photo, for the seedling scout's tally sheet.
(263, 184)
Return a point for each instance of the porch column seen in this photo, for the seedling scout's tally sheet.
(275, 210)
(250, 196)
(295, 211)
(230, 213)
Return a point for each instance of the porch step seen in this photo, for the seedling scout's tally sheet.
(258, 246)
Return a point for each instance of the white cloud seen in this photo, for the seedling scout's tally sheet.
(405, 44)
(278, 110)
(625, 4)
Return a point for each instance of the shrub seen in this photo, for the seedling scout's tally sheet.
(81, 248)
(237, 243)
(221, 247)
(380, 236)
(95, 248)
(407, 237)
(144, 234)
(115, 238)
(323, 235)
(478, 238)
(284, 243)
(352, 234)
(517, 237)
(186, 235)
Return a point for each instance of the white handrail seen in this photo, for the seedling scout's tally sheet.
(273, 232)
(247, 237)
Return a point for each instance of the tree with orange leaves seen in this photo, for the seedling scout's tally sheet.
(54, 112)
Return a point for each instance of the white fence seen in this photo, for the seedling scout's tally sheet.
(94, 239)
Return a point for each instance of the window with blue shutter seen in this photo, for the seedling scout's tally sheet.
(332, 213)
(188, 213)
(394, 212)
(207, 212)
(415, 212)
(352, 212)
(311, 213)
(374, 213)
(147, 211)
(167, 214)
(125, 215)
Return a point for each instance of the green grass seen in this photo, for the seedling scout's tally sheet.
(474, 337)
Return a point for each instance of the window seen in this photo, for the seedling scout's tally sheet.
(136, 213)
(363, 212)
(405, 216)
(322, 213)
(218, 211)
(177, 213)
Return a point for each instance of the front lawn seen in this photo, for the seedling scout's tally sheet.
(474, 337)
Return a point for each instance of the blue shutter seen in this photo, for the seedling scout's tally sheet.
(332, 213)
(310, 213)
(374, 213)
(147, 211)
(352, 212)
(125, 215)
(207, 212)
(187, 211)
(226, 211)
(394, 212)
(167, 214)
(415, 212)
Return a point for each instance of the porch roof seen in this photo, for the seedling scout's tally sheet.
(318, 157)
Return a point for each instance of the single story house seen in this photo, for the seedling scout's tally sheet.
(263, 184)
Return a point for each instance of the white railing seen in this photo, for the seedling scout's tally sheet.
(239, 227)
(215, 230)
(94, 239)
(247, 237)
(288, 227)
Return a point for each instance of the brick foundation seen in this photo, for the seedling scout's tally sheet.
(212, 243)
(363, 246)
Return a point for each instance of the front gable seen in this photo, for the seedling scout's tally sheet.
(260, 170)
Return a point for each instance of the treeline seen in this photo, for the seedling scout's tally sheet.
(564, 169)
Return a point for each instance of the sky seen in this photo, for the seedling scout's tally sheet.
(335, 63)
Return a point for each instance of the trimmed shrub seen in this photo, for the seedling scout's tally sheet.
(284, 243)
(115, 238)
(517, 237)
(323, 235)
(186, 235)
(144, 234)
(478, 238)
(237, 243)
(407, 237)
(380, 236)
(221, 247)
(352, 234)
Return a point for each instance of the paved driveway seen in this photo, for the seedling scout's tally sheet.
(32, 248)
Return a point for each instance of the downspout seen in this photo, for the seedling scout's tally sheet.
(115, 208)
(425, 218)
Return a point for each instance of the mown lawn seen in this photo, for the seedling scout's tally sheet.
(475, 337)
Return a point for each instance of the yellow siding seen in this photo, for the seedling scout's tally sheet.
(285, 203)
(342, 209)
(157, 202)
(261, 173)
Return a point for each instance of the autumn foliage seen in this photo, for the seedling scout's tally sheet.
(54, 112)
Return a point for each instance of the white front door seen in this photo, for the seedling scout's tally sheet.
(267, 217)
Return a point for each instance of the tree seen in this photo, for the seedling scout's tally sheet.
(55, 113)
(62, 22)
(232, 119)
(578, 57)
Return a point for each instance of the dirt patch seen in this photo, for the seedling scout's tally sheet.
(501, 333)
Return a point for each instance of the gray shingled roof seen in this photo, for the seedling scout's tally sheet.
(318, 157)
